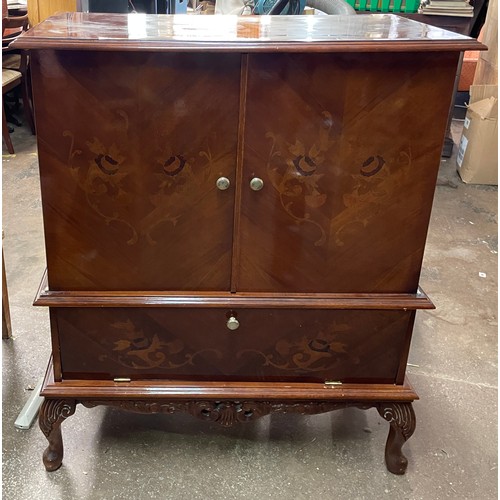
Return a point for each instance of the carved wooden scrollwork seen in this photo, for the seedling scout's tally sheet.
(401, 417)
(138, 406)
(228, 412)
(52, 413)
(225, 413)
(309, 407)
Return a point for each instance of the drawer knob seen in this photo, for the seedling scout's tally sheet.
(223, 183)
(256, 184)
(233, 323)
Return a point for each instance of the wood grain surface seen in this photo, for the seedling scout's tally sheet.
(349, 158)
(129, 162)
(195, 344)
(179, 389)
(368, 33)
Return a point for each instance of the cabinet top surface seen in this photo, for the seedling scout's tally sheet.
(377, 32)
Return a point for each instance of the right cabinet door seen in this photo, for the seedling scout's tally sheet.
(348, 147)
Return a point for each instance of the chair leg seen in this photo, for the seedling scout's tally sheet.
(5, 132)
(28, 113)
(6, 325)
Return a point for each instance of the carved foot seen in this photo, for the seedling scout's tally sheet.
(402, 420)
(52, 414)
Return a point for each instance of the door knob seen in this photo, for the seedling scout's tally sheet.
(233, 323)
(256, 184)
(223, 183)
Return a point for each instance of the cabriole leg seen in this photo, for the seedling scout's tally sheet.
(401, 417)
(52, 414)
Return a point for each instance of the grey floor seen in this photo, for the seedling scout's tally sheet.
(110, 454)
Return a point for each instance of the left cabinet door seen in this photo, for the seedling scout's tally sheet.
(131, 146)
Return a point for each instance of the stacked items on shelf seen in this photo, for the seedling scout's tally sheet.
(460, 8)
(407, 6)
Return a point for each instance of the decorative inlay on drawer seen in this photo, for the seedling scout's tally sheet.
(312, 352)
(139, 351)
(196, 344)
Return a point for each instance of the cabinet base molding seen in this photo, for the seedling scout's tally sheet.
(225, 412)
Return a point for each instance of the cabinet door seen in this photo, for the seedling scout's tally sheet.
(131, 146)
(348, 147)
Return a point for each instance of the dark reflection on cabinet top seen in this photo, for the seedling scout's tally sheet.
(378, 32)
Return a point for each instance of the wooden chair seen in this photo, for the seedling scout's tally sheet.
(14, 73)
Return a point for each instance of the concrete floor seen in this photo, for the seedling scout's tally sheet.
(110, 454)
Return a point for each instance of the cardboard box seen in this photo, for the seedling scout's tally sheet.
(487, 64)
(468, 70)
(477, 159)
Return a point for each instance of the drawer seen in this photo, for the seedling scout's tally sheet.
(306, 345)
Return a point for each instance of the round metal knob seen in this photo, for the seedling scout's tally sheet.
(233, 323)
(222, 183)
(256, 184)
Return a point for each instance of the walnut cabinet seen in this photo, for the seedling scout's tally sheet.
(235, 211)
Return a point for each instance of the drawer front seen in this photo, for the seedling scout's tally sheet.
(269, 345)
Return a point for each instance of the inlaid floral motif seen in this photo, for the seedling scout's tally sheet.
(295, 170)
(181, 181)
(139, 351)
(374, 187)
(102, 179)
(174, 165)
(107, 177)
(372, 166)
(309, 353)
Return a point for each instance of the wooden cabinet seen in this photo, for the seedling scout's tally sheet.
(38, 10)
(235, 219)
